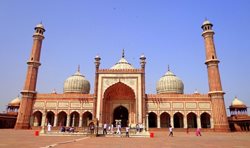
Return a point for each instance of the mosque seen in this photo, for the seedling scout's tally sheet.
(119, 95)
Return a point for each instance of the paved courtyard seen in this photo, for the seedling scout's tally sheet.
(27, 139)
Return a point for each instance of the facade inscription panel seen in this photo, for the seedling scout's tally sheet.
(204, 105)
(165, 105)
(191, 105)
(63, 104)
(178, 105)
(39, 104)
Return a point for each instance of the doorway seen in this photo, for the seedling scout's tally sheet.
(121, 113)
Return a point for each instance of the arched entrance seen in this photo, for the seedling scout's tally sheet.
(165, 120)
(74, 119)
(192, 120)
(121, 113)
(118, 103)
(37, 118)
(178, 120)
(62, 118)
(50, 117)
(152, 120)
(86, 117)
(205, 120)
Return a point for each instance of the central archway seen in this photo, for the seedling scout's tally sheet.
(119, 100)
(121, 113)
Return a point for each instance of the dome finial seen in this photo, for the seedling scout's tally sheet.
(168, 68)
(78, 69)
(123, 55)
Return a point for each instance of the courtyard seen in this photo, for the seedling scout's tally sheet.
(27, 139)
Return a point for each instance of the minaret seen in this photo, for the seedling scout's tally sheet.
(143, 91)
(215, 89)
(29, 90)
(97, 65)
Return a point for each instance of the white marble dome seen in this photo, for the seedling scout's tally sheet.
(76, 84)
(170, 83)
(122, 64)
(237, 102)
(15, 101)
(40, 25)
(206, 22)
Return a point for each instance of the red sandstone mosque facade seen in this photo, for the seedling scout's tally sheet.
(119, 94)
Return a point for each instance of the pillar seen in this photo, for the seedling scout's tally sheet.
(68, 121)
(198, 121)
(55, 121)
(147, 126)
(80, 121)
(158, 121)
(185, 121)
(172, 120)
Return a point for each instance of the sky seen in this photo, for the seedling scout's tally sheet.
(167, 32)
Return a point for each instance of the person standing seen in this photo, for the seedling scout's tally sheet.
(171, 131)
(118, 129)
(92, 128)
(198, 132)
(49, 127)
(127, 131)
(105, 128)
(137, 128)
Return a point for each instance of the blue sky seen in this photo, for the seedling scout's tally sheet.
(166, 32)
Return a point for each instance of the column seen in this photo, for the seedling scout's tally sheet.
(147, 122)
(68, 121)
(158, 121)
(172, 120)
(212, 122)
(198, 122)
(55, 121)
(80, 121)
(43, 119)
(73, 121)
(185, 121)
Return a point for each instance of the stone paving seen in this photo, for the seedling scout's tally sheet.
(11, 138)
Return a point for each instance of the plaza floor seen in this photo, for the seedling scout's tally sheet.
(11, 138)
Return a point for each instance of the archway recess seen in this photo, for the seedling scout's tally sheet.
(178, 120)
(205, 120)
(118, 95)
(121, 113)
(165, 120)
(152, 117)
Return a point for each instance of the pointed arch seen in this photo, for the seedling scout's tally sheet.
(118, 94)
(119, 90)
(191, 120)
(86, 117)
(74, 119)
(121, 113)
(178, 120)
(205, 120)
(37, 118)
(165, 120)
(152, 120)
(62, 118)
(50, 117)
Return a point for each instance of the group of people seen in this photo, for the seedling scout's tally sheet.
(139, 127)
(197, 132)
(69, 129)
(109, 129)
